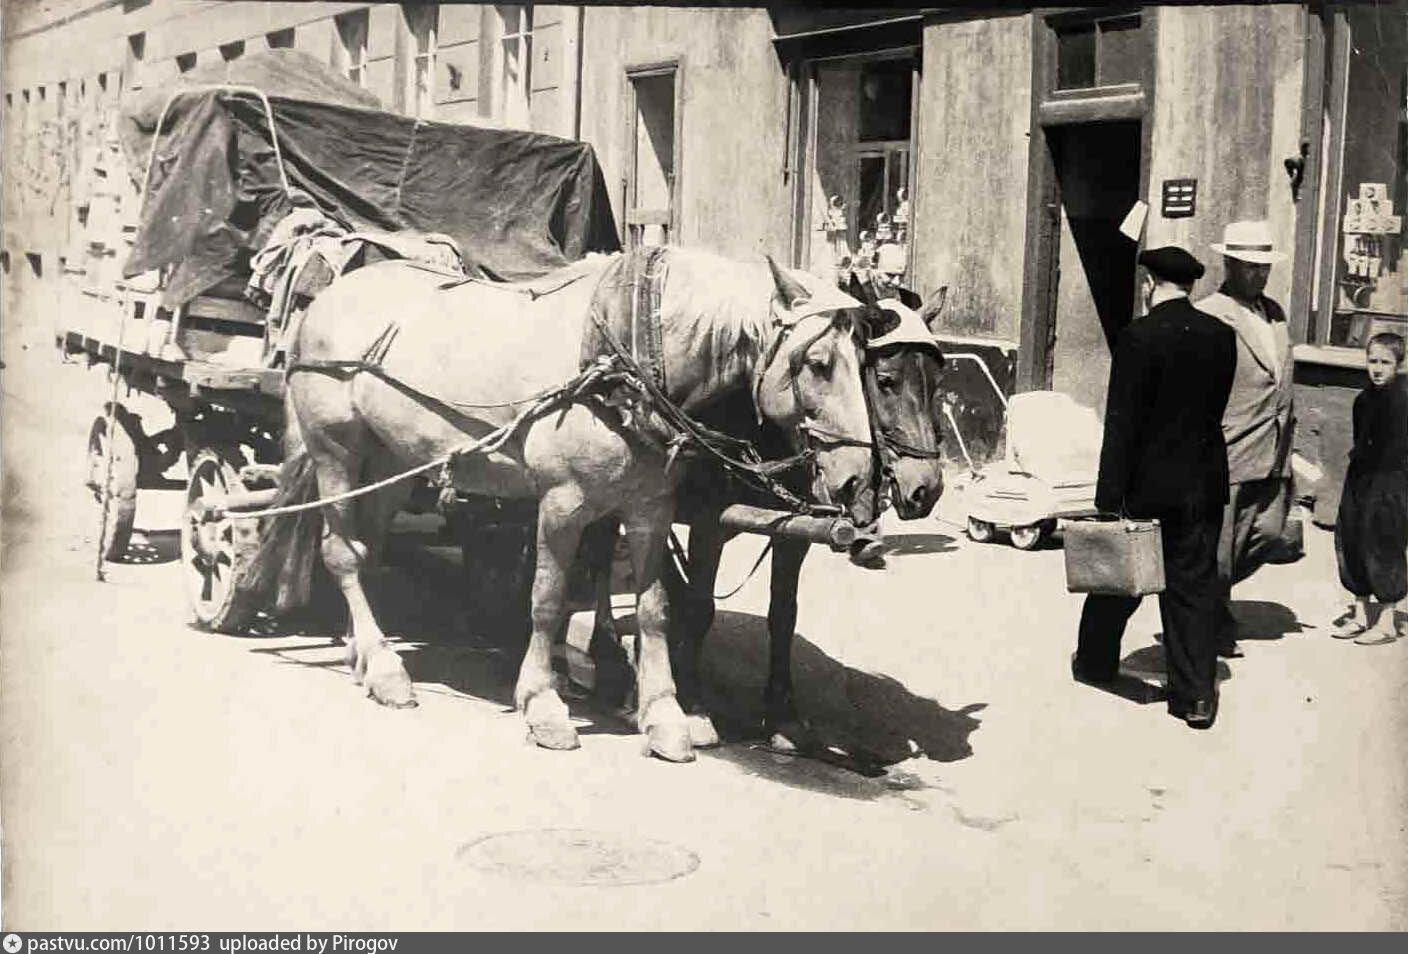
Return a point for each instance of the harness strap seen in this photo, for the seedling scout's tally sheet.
(687, 428)
(513, 288)
(647, 336)
(682, 565)
(885, 440)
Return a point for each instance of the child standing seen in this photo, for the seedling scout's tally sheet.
(1371, 534)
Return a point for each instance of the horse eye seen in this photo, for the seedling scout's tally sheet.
(887, 382)
(820, 364)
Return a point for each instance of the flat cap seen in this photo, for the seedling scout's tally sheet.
(1172, 264)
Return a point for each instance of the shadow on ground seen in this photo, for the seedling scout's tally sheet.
(1151, 664)
(151, 547)
(1264, 620)
(872, 719)
(909, 544)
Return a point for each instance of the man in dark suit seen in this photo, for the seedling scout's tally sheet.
(1164, 456)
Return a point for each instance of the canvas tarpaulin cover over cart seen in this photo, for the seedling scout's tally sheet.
(518, 204)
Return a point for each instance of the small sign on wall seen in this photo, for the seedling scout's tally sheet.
(1180, 198)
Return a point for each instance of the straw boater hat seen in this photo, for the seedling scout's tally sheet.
(1250, 242)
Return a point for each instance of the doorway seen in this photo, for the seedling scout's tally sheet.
(1090, 297)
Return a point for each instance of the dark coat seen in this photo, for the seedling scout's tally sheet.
(1371, 533)
(1163, 450)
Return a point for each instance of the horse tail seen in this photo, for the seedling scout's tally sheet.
(288, 543)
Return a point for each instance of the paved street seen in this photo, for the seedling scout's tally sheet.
(157, 777)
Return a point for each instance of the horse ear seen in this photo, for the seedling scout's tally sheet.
(791, 290)
(860, 291)
(934, 307)
(868, 321)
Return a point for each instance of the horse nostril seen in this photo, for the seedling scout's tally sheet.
(920, 496)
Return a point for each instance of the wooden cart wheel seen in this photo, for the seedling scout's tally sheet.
(217, 553)
(979, 531)
(1028, 537)
(122, 503)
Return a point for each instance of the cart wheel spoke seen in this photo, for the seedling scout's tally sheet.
(217, 554)
(114, 517)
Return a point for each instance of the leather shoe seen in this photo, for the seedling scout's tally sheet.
(1230, 650)
(1083, 673)
(1197, 713)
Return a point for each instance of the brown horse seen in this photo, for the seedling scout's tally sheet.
(391, 370)
(900, 371)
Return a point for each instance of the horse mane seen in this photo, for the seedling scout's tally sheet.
(721, 306)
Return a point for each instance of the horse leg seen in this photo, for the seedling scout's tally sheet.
(787, 731)
(614, 672)
(378, 510)
(374, 514)
(345, 551)
(560, 525)
(659, 715)
(695, 617)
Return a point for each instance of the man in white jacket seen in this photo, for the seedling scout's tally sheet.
(1259, 422)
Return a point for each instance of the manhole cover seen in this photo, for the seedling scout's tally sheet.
(572, 856)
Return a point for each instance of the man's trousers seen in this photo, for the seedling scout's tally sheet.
(1253, 525)
(1188, 605)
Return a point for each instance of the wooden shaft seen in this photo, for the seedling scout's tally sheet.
(216, 508)
(833, 531)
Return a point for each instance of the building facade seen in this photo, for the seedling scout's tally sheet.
(1001, 151)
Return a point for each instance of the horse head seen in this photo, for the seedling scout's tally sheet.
(901, 371)
(809, 385)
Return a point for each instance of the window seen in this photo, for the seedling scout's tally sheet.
(186, 62)
(350, 53)
(1099, 53)
(280, 39)
(231, 51)
(653, 184)
(423, 22)
(858, 171)
(1363, 275)
(514, 82)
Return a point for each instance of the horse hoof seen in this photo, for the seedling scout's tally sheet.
(388, 683)
(778, 742)
(670, 742)
(869, 555)
(393, 703)
(701, 731)
(558, 736)
(792, 737)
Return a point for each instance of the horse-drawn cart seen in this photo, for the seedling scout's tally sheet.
(259, 181)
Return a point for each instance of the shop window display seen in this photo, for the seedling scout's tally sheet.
(860, 164)
(1370, 290)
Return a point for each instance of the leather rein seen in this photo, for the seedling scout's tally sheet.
(754, 469)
